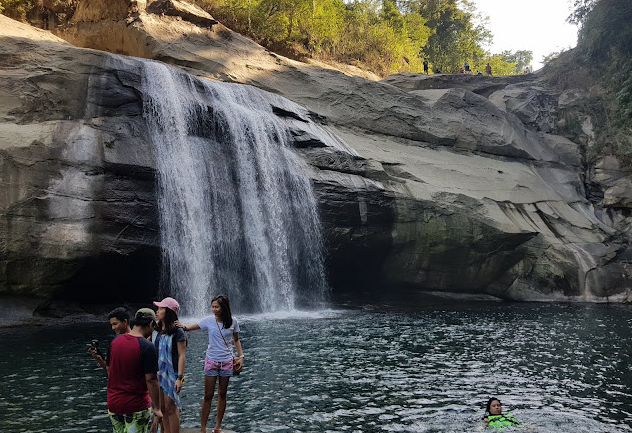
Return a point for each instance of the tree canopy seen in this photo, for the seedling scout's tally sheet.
(16, 9)
(385, 36)
(580, 10)
(604, 49)
(382, 36)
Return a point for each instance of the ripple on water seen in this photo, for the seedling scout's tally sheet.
(557, 368)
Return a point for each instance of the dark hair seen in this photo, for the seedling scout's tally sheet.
(167, 325)
(489, 405)
(139, 321)
(119, 313)
(224, 305)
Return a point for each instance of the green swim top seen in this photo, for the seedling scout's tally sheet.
(502, 421)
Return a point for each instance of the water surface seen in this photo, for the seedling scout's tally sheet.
(562, 368)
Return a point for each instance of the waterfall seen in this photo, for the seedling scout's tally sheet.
(237, 212)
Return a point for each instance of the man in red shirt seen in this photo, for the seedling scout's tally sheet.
(133, 365)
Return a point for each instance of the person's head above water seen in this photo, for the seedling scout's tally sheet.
(494, 416)
(494, 407)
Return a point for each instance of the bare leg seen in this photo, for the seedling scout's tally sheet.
(222, 390)
(172, 416)
(209, 390)
(164, 422)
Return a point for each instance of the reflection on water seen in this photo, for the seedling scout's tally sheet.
(562, 368)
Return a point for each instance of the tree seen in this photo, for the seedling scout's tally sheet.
(499, 65)
(581, 9)
(383, 36)
(456, 36)
(326, 26)
(16, 9)
(392, 15)
(606, 31)
(551, 56)
(521, 58)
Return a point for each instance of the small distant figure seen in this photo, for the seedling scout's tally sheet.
(494, 415)
(479, 73)
(436, 71)
(461, 71)
(466, 66)
(488, 69)
(426, 66)
(527, 70)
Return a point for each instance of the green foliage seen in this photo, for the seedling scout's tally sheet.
(383, 36)
(392, 16)
(381, 41)
(606, 33)
(521, 58)
(551, 56)
(605, 40)
(581, 9)
(605, 48)
(16, 9)
(456, 35)
(571, 126)
(499, 65)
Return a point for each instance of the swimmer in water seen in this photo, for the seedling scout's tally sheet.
(494, 415)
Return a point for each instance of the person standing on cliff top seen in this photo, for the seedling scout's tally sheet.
(426, 66)
(132, 366)
(119, 321)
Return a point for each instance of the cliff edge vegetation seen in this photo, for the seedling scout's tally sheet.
(601, 65)
(382, 37)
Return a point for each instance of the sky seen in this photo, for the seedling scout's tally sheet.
(535, 25)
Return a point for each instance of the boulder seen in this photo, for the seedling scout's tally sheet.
(184, 10)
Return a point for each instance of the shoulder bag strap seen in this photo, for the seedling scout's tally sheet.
(221, 335)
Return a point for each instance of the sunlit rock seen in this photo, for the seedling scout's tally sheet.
(442, 184)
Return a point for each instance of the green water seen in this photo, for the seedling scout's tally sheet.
(557, 368)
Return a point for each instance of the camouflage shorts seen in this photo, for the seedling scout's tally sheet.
(137, 422)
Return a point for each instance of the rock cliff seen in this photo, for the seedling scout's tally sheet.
(451, 183)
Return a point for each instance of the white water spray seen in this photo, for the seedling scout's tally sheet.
(237, 212)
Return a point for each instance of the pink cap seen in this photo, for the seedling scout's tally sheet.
(169, 303)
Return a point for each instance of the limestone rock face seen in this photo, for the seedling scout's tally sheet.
(77, 214)
(442, 184)
(101, 10)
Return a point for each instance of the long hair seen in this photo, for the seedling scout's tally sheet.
(224, 305)
(167, 325)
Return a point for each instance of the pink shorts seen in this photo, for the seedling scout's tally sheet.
(218, 368)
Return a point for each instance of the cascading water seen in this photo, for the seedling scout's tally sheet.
(237, 212)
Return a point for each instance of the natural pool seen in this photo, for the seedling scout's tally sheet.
(430, 368)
